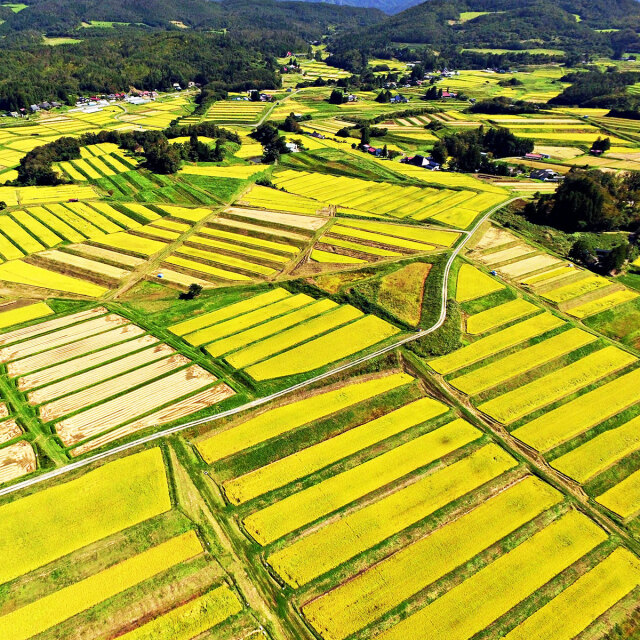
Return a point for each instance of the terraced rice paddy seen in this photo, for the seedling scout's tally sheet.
(285, 334)
(453, 208)
(236, 111)
(473, 283)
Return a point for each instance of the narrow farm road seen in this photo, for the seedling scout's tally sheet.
(260, 401)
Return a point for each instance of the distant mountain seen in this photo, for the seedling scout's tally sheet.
(388, 6)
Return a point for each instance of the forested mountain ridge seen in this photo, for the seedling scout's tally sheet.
(510, 24)
(308, 20)
(388, 6)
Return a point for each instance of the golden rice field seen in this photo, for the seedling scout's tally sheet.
(515, 404)
(500, 315)
(58, 520)
(495, 343)
(473, 283)
(60, 605)
(357, 603)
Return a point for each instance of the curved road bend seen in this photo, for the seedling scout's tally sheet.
(260, 401)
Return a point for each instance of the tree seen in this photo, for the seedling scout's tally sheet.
(365, 136)
(439, 152)
(582, 252)
(3, 205)
(291, 124)
(601, 144)
(616, 258)
(336, 97)
(194, 291)
(162, 157)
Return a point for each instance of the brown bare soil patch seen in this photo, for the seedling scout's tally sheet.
(17, 460)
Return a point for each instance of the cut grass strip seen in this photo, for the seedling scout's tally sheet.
(510, 366)
(582, 602)
(485, 347)
(61, 605)
(304, 507)
(582, 413)
(309, 460)
(322, 550)
(357, 603)
(497, 316)
(481, 599)
(319, 352)
(275, 422)
(516, 404)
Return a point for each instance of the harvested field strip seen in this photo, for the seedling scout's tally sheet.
(135, 244)
(175, 411)
(351, 232)
(130, 405)
(485, 596)
(502, 314)
(229, 311)
(106, 255)
(49, 325)
(227, 261)
(362, 248)
(339, 343)
(98, 373)
(506, 254)
(291, 337)
(63, 260)
(309, 460)
(275, 422)
(270, 328)
(522, 361)
(227, 246)
(55, 521)
(333, 258)
(582, 413)
(17, 460)
(245, 239)
(493, 344)
(17, 235)
(23, 314)
(61, 228)
(67, 602)
(61, 337)
(623, 498)
(44, 234)
(520, 402)
(247, 320)
(110, 388)
(81, 364)
(322, 550)
(9, 429)
(603, 304)
(359, 602)
(191, 619)
(303, 508)
(207, 269)
(576, 289)
(528, 265)
(278, 234)
(473, 283)
(306, 223)
(73, 350)
(598, 454)
(582, 602)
